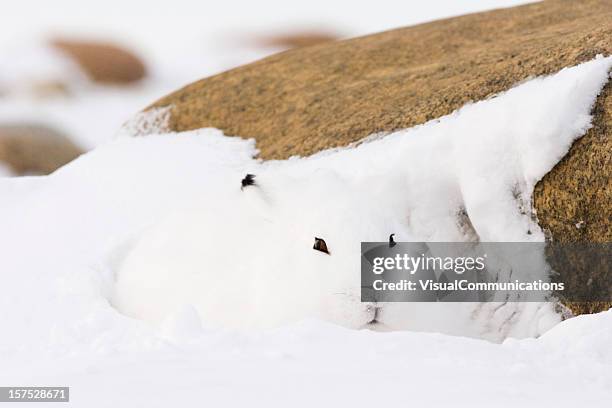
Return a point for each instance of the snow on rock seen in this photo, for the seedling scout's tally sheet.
(150, 122)
(158, 227)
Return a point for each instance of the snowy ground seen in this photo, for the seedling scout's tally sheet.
(64, 240)
(314, 364)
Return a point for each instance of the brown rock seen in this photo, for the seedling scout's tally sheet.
(103, 62)
(297, 39)
(581, 184)
(35, 149)
(302, 101)
(574, 203)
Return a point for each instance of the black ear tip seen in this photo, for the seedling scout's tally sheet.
(248, 180)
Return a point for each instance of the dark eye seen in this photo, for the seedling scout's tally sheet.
(320, 245)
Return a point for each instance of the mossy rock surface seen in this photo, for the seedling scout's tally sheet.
(302, 101)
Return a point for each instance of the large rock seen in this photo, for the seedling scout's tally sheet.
(302, 101)
(35, 149)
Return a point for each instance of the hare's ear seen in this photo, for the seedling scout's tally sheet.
(248, 180)
(320, 245)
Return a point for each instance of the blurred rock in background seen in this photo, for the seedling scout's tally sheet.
(103, 62)
(33, 149)
(297, 39)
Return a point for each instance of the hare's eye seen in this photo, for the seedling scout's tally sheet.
(320, 245)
